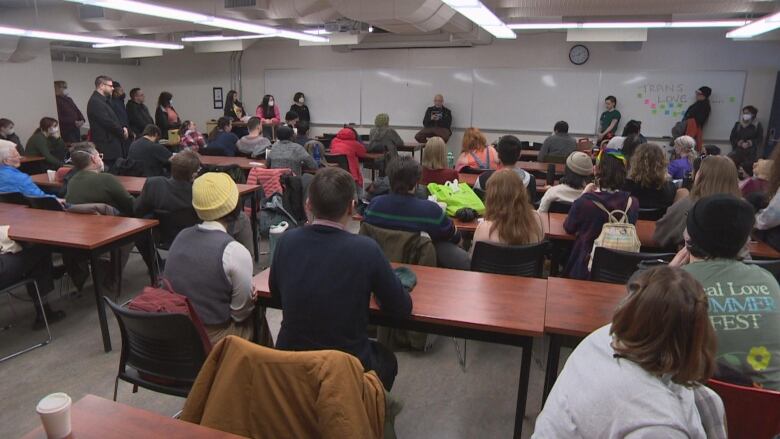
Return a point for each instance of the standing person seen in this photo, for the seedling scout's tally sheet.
(437, 121)
(107, 131)
(118, 104)
(190, 137)
(609, 120)
(154, 157)
(642, 375)
(558, 146)
(300, 108)
(222, 141)
(684, 155)
(576, 175)
(268, 113)
(746, 137)
(697, 114)
(166, 117)
(434, 163)
(475, 153)
(70, 118)
(384, 139)
(7, 133)
(46, 141)
(138, 114)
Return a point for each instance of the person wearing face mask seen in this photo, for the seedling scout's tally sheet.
(107, 131)
(746, 137)
(437, 122)
(47, 142)
(166, 117)
(268, 113)
(137, 113)
(91, 185)
(118, 104)
(7, 133)
(68, 113)
(299, 107)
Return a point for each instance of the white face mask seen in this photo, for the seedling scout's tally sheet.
(300, 101)
(747, 117)
(271, 103)
(8, 132)
(65, 92)
(54, 132)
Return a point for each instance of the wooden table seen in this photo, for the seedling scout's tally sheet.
(31, 159)
(573, 309)
(470, 179)
(465, 304)
(242, 162)
(412, 147)
(91, 234)
(93, 417)
(529, 154)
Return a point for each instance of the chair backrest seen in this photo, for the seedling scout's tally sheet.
(165, 346)
(559, 207)
(14, 198)
(339, 159)
(772, 266)
(651, 213)
(518, 260)
(616, 266)
(173, 222)
(536, 146)
(45, 203)
(750, 412)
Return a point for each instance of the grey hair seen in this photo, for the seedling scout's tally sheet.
(6, 148)
(81, 154)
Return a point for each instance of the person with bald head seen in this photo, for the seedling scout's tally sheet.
(437, 121)
(11, 178)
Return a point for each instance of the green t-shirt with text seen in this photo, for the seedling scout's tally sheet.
(606, 118)
(743, 303)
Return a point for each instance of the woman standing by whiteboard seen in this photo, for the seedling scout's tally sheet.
(300, 108)
(268, 113)
(697, 114)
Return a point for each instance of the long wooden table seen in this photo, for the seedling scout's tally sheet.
(242, 162)
(465, 304)
(93, 417)
(93, 235)
(412, 147)
(470, 179)
(31, 158)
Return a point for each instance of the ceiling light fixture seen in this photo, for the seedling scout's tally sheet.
(628, 25)
(140, 43)
(477, 12)
(98, 42)
(225, 37)
(756, 27)
(317, 32)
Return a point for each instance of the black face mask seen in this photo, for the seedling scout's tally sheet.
(121, 97)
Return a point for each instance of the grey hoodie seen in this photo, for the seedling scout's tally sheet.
(254, 146)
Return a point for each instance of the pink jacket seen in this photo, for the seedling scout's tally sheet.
(275, 119)
(347, 144)
(466, 159)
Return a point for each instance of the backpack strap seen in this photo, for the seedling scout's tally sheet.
(479, 162)
(611, 214)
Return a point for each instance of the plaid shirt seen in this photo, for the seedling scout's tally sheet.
(711, 411)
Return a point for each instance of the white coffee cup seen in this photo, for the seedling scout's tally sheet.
(54, 411)
(52, 175)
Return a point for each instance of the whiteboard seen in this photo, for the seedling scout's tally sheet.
(404, 94)
(659, 99)
(333, 96)
(533, 100)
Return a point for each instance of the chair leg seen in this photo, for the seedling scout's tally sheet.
(45, 321)
(116, 387)
(461, 358)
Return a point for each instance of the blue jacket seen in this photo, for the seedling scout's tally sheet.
(14, 180)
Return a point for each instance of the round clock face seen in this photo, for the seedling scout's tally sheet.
(579, 54)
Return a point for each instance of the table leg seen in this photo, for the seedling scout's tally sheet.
(553, 358)
(522, 391)
(101, 308)
(253, 221)
(154, 272)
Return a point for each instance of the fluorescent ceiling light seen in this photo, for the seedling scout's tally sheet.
(142, 8)
(627, 25)
(317, 32)
(140, 43)
(722, 23)
(478, 13)
(756, 27)
(226, 38)
(302, 36)
(31, 33)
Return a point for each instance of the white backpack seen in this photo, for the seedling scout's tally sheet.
(616, 234)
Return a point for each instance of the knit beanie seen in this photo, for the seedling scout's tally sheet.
(706, 91)
(214, 195)
(579, 163)
(720, 225)
(382, 120)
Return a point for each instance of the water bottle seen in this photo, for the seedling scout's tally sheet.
(274, 233)
(316, 154)
(450, 160)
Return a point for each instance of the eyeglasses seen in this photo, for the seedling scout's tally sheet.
(100, 154)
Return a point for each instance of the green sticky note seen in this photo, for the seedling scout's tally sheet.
(655, 111)
(663, 106)
(675, 114)
(679, 105)
(639, 95)
(732, 99)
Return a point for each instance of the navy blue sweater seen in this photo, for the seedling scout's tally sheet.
(410, 214)
(324, 278)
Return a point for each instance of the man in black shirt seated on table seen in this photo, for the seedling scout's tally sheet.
(324, 276)
(437, 122)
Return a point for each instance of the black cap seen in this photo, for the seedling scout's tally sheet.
(720, 225)
(706, 91)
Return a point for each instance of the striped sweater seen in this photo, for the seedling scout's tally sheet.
(410, 214)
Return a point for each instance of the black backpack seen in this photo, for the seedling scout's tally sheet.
(292, 199)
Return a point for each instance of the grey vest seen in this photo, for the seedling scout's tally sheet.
(194, 268)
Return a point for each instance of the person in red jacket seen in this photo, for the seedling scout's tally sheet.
(346, 143)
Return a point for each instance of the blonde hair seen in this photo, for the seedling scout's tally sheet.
(435, 154)
(684, 148)
(717, 175)
(648, 166)
(508, 208)
(473, 140)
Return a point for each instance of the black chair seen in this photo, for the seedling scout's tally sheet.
(772, 266)
(339, 159)
(45, 203)
(7, 290)
(13, 198)
(517, 260)
(559, 207)
(536, 146)
(364, 137)
(173, 222)
(161, 352)
(651, 213)
(616, 266)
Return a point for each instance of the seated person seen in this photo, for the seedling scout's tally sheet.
(437, 122)
(253, 144)
(586, 218)
(46, 141)
(401, 210)
(286, 154)
(291, 119)
(327, 308)
(576, 175)
(11, 178)
(742, 298)
(209, 267)
(682, 159)
(189, 136)
(434, 163)
(475, 153)
(222, 141)
(634, 128)
(302, 133)
(509, 217)
(558, 146)
(647, 179)
(759, 182)
(509, 149)
(7, 132)
(346, 143)
(91, 185)
(382, 138)
(154, 157)
(641, 375)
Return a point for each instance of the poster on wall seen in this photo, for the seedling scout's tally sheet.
(217, 92)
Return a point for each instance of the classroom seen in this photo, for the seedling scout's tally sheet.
(389, 218)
